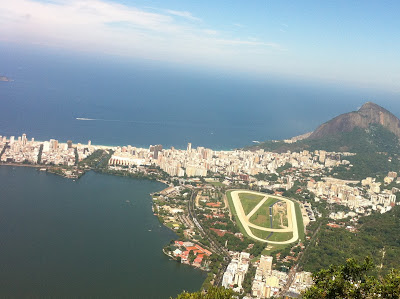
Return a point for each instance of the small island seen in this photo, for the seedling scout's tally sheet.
(5, 79)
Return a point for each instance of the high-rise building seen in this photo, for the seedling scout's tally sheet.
(24, 140)
(189, 147)
(157, 149)
(89, 143)
(12, 139)
(155, 155)
(53, 144)
(266, 264)
(69, 142)
(46, 146)
(322, 156)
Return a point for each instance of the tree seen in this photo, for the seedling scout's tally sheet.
(353, 281)
(191, 256)
(212, 293)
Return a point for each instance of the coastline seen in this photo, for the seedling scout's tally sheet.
(23, 165)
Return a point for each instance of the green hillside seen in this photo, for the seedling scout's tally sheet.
(377, 237)
(374, 139)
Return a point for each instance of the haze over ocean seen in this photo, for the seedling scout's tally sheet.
(150, 102)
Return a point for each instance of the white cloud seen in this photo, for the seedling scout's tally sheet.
(251, 42)
(168, 35)
(99, 25)
(210, 31)
(183, 14)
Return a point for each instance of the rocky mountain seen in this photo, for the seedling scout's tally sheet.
(370, 129)
(367, 115)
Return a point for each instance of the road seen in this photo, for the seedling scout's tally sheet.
(293, 271)
(214, 245)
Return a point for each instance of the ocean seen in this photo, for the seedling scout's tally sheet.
(140, 103)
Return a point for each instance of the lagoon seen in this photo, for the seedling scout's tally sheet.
(65, 238)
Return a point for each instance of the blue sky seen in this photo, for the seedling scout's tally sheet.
(348, 42)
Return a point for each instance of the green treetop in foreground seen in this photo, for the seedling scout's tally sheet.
(212, 293)
(351, 280)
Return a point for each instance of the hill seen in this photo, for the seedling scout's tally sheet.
(375, 236)
(371, 129)
(367, 115)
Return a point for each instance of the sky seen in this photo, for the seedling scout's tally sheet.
(356, 43)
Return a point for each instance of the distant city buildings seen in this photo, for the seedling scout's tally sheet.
(361, 199)
(235, 273)
(50, 152)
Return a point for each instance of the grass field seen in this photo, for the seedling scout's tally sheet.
(249, 201)
(278, 237)
(276, 221)
(217, 184)
(300, 223)
(274, 248)
(281, 236)
(261, 216)
(260, 233)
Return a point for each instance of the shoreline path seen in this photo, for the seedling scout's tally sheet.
(244, 219)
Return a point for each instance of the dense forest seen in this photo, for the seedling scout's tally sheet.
(374, 139)
(377, 237)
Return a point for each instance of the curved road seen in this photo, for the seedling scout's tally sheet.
(291, 212)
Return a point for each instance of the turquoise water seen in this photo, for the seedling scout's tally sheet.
(60, 238)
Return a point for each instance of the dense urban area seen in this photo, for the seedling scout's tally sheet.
(199, 206)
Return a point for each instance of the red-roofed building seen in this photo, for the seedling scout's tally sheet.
(219, 232)
(214, 204)
(203, 250)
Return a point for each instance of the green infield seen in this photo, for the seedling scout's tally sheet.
(254, 208)
(280, 237)
(262, 216)
(300, 224)
(249, 201)
(275, 237)
(216, 184)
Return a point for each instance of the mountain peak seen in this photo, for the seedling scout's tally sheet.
(371, 106)
(369, 113)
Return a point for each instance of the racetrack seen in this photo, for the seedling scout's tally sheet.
(244, 219)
